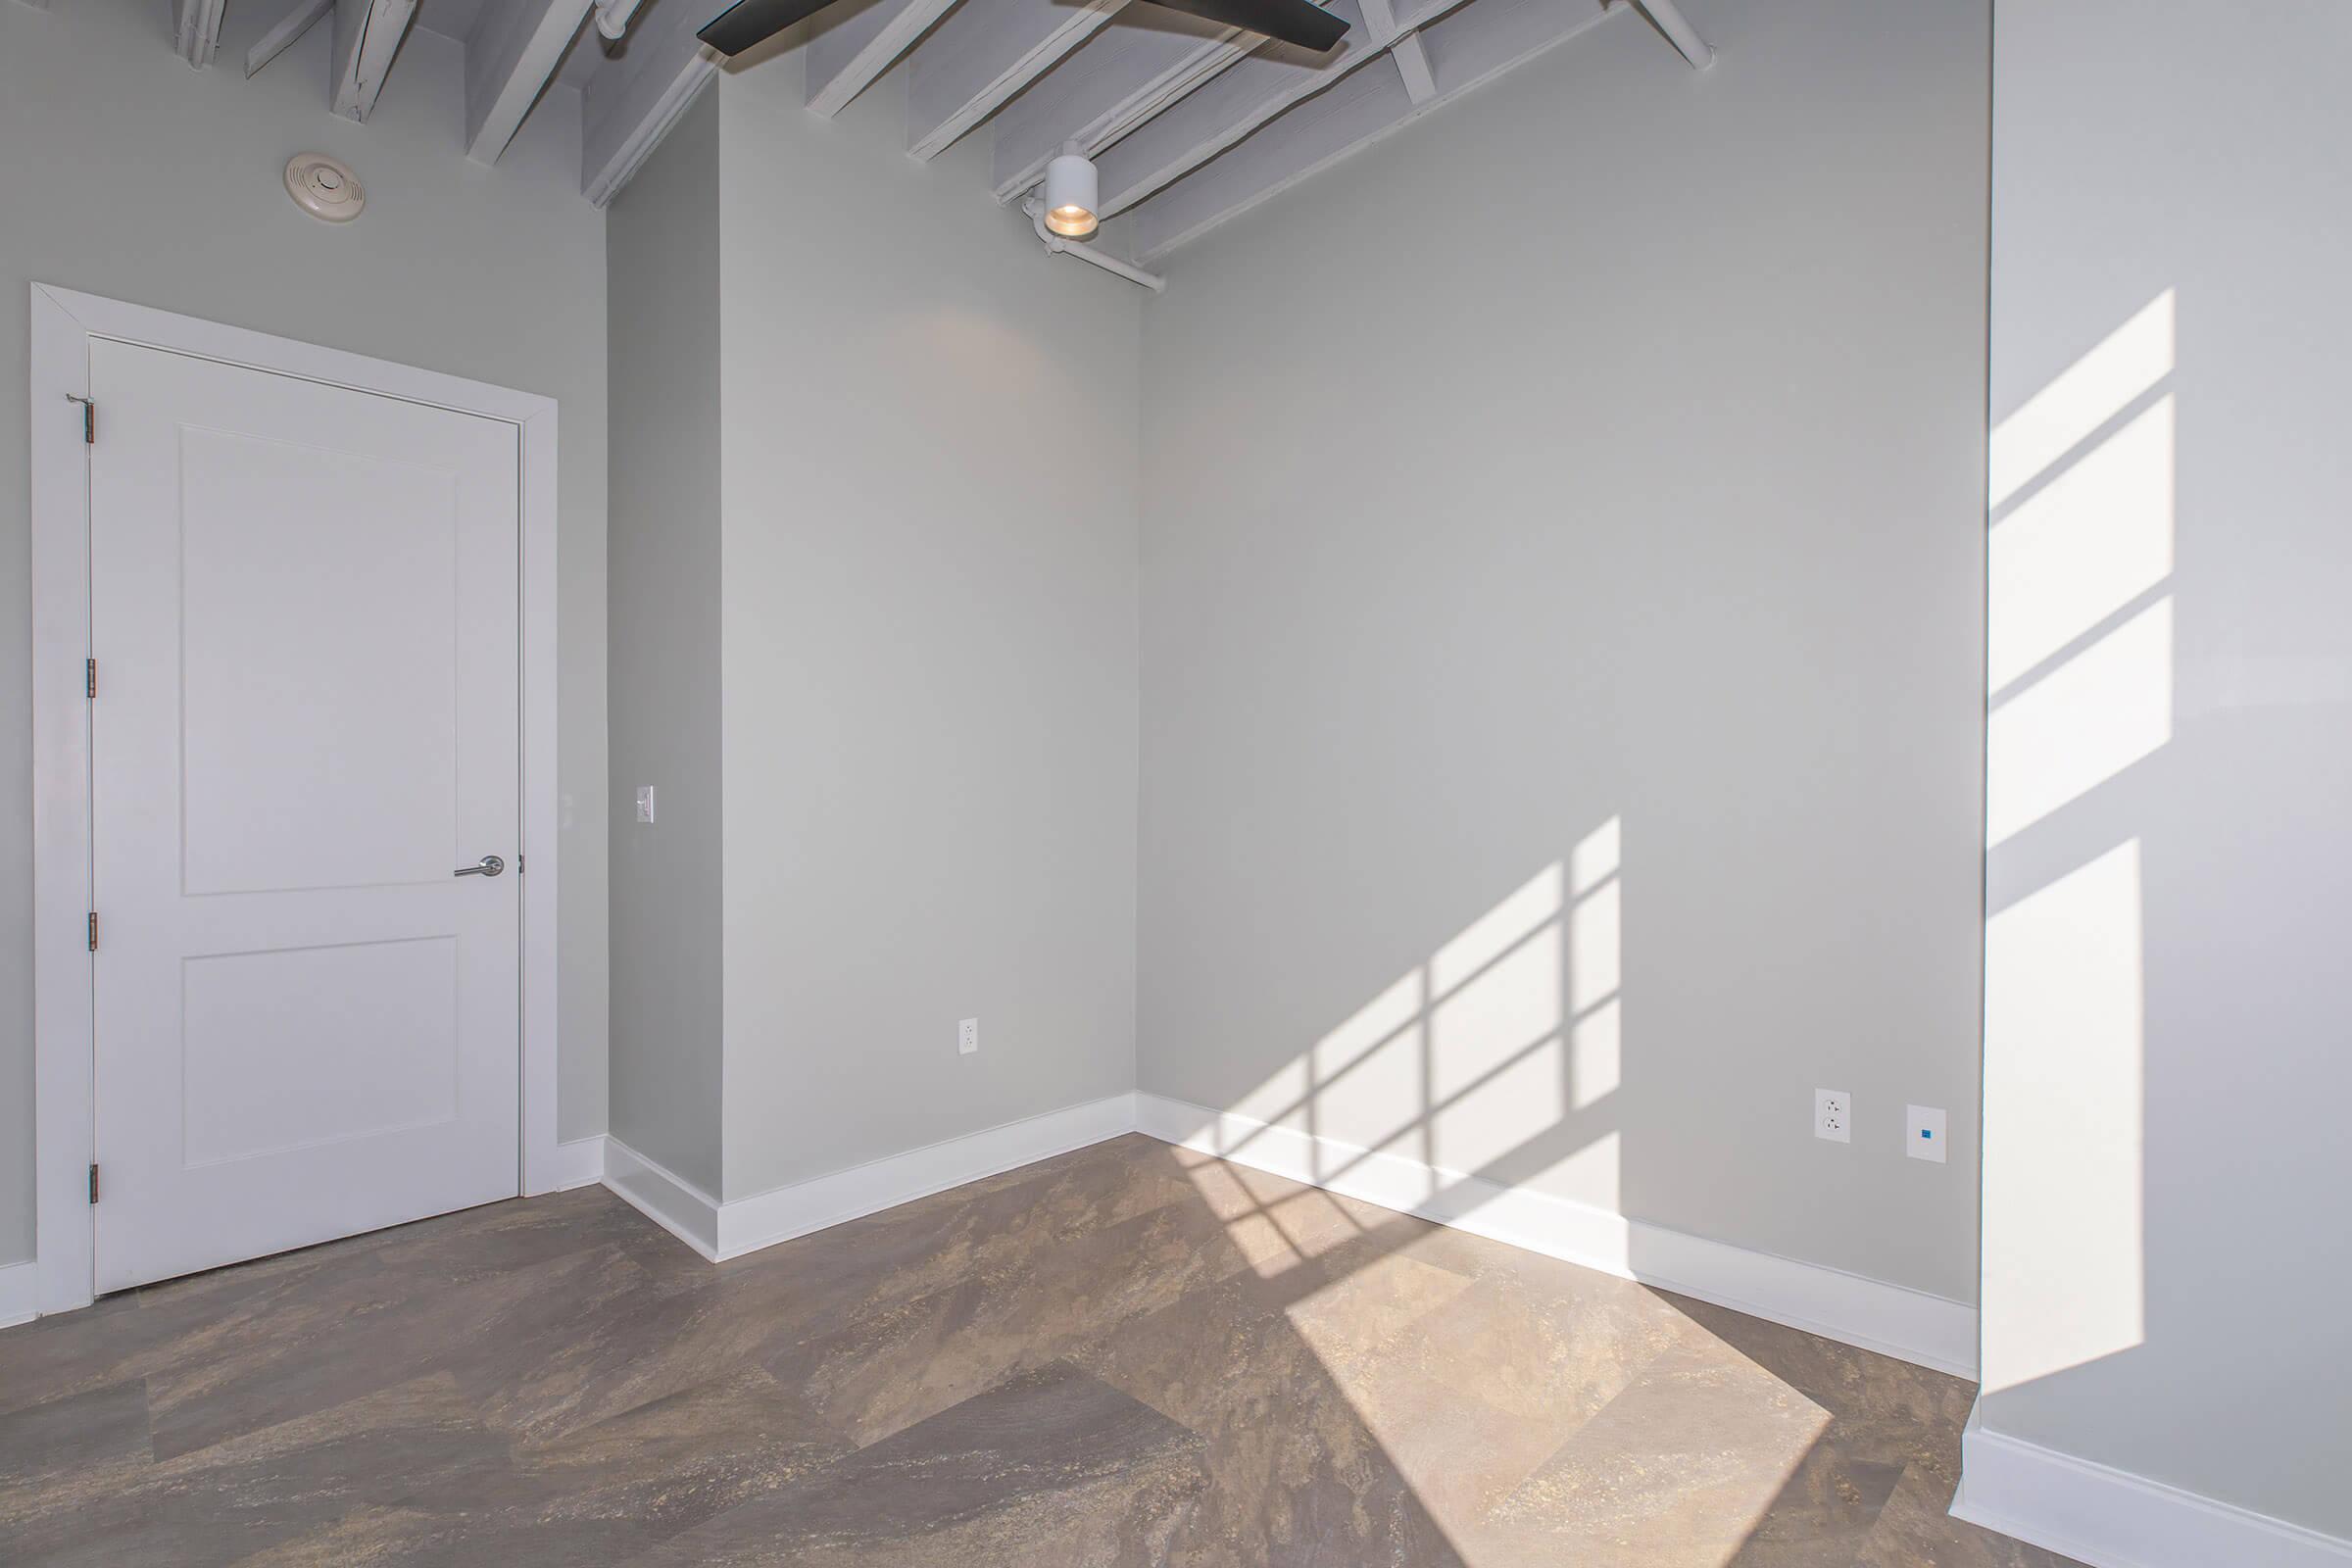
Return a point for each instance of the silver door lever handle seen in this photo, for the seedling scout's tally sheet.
(491, 866)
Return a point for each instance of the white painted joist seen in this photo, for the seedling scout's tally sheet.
(1412, 65)
(1121, 77)
(514, 49)
(1412, 61)
(1311, 135)
(196, 30)
(632, 102)
(983, 53)
(1465, 50)
(1202, 124)
(367, 36)
(850, 46)
(281, 34)
(1677, 30)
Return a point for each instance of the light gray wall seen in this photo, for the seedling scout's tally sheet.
(2165, 1253)
(661, 251)
(929, 633)
(127, 173)
(1606, 447)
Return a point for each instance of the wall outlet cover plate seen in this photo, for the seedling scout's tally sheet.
(1834, 1115)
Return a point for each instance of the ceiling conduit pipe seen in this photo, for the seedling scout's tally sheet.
(1086, 253)
(613, 17)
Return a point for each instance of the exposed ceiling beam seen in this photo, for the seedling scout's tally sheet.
(514, 49)
(1677, 30)
(982, 55)
(283, 31)
(1317, 132)
(1412, 65)
(848, 49)
(1123, 76)
(1412, 61)
(367, 35)
(1204, 124)
(632, 102)
(196, 30)
(1464, 50)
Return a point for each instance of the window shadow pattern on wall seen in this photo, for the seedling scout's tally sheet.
(1640, 1426)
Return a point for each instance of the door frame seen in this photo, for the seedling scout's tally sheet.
(64, 1103)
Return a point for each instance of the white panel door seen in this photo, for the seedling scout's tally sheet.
(305, 611)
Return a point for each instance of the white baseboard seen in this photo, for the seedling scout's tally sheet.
(765, 1218)
(1890, 1319)
(664, 1197)
(2111, 1518)
(720, 1231)
(577, 1163)
(18, 1301)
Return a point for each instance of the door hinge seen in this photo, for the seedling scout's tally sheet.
(93, 931)
(93, 1181)
(91, 687)
(89, 419)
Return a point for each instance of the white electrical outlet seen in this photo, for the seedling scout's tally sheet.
(967, 1037)
(645, 802)
(1923, 1133)
(1834, 1115)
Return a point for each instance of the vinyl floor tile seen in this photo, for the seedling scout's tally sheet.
(1130, 1355)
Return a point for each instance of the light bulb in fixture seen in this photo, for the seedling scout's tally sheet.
(1072, 193)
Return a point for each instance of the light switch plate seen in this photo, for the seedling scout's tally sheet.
(1923, 1133)
(645, 802)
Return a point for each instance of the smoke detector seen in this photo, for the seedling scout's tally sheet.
(324, 187)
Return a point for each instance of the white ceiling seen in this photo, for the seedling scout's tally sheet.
(456, 19)
(452, 19)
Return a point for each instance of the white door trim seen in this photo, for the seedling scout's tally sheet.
(64, 1110)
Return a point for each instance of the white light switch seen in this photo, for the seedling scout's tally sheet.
(645, 802)
(1923, 1133)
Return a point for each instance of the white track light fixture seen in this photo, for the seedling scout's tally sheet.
(1072, 193)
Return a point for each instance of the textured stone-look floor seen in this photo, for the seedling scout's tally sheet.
(1130, 1355)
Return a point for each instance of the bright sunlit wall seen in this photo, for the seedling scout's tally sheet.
(2166, 1257)
(1563, 653)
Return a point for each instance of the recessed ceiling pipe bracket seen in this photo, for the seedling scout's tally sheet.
(1086, 253)
(613, 17)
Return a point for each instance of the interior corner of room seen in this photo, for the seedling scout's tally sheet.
(1633, 723)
